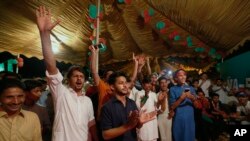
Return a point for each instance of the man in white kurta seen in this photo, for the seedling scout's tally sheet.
(164, 121)
(73, 114)
(74, 118)
(149, 130)
(204, 84)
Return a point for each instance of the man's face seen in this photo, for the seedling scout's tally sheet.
(215, 99)
(12, 100)
(219, 82)
(242, 99)
(153, 79)
(34, 94)
(120, 86)
(147, 87)
(164, 84)
(181, 77)
(76, 80)
(196, 84)
(204, 76)
(201, 95)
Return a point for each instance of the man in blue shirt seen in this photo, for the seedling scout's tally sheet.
(119, 116)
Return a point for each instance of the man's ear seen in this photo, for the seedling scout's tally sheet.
(112, 87)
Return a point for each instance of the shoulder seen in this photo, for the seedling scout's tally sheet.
(29, 115)
(86, 98)
(131, 101)
(109, 103)
(174, 87)
(153, 94)
(248, 104)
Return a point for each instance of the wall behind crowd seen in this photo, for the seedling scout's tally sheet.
(237, 67)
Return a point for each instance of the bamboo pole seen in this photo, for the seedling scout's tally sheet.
(97, 33)
(17, 68)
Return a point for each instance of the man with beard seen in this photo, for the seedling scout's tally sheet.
(74, 116)
(16, 124)
(119, 116)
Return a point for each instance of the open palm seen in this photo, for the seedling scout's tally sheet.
(145, 117)
(44, 19)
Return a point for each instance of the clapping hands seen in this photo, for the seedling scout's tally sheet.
(137, 119)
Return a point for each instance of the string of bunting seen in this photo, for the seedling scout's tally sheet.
(162, 27)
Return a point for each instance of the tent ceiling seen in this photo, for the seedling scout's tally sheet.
(216, 26)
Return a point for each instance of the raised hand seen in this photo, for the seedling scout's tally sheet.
(43, 17)
(135, 58)
(141, 60)
(93, 49)
(161, 97)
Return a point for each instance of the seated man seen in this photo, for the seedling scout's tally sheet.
(243, 109)
(219, 116)
(16, 124)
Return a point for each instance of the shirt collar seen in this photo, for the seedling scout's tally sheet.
(114, 99)
(4, 114)
(73, 91)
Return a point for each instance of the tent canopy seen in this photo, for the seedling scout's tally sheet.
(191, 32)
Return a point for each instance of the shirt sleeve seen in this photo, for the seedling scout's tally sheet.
(238, 109)
(55, 83)
(172, 97)
(138, 100)
(106, 118)
(91, 114)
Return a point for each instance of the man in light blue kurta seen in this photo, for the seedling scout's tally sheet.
(181, 101)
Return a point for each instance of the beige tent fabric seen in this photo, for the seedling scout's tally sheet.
(219, 24)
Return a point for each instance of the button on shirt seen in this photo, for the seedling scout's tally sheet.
(115, 114)
(73, 114)
(23, 127)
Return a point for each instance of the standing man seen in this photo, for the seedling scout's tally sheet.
(16, 124)
(119, 116)
(147, 100)
(164, 123)
(205, 84)
(74, 116)
(182, 102)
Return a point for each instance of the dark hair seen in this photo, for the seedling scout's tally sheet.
(146, 80)
(8, 74)
(10, 83)
(203, 73)
(177, 71)
(219, 79)
(200, 90)
(31, 84)
(162, 78)
(72, 69)
(215, 94)
(113, 76)
(195, 80)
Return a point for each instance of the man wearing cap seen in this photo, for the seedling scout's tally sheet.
(243, 109)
